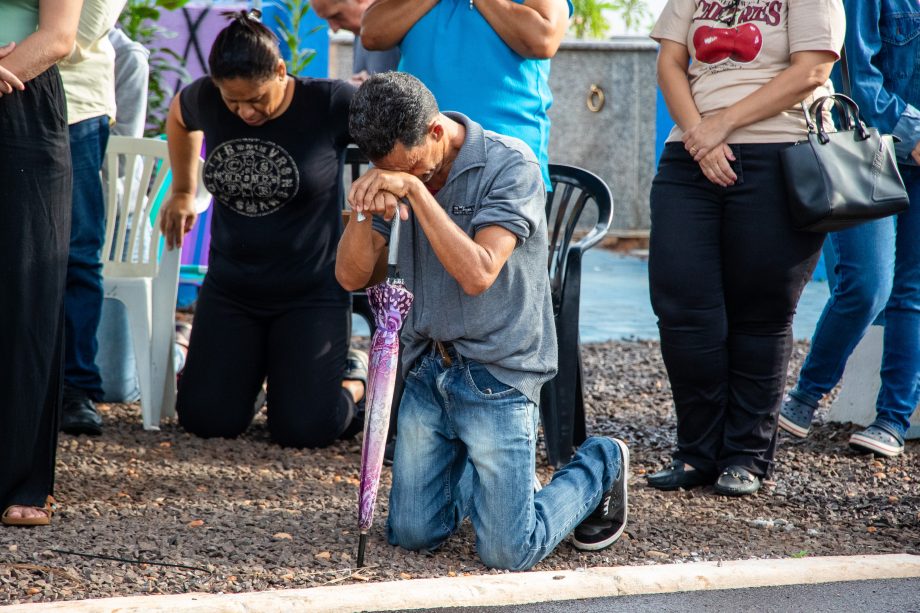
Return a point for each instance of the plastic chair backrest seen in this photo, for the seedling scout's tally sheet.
(133, 251)
(579, 212)
(356, 162)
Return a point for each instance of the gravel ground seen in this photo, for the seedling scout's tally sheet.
(245, 515)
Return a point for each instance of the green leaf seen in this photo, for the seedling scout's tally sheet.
(172, 5)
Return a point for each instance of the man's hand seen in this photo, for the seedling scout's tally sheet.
(178, 217)
(716, 167)
(359, 77)
(532, 28)
(378, 192)
(705, 136)
(8, 81)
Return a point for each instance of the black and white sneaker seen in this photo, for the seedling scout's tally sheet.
(605, 525)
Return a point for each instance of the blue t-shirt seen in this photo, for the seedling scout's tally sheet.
(455, 52)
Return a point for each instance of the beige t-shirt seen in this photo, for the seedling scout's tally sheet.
(89, 73)
(736, 46)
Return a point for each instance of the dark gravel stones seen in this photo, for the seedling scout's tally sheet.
(247, 515)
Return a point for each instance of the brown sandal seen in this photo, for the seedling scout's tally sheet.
(42, 520)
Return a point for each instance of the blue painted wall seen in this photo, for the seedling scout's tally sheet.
(663, 125)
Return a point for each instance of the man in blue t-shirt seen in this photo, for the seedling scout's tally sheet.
(488, 59)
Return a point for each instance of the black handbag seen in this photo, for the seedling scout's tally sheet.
(838, 180)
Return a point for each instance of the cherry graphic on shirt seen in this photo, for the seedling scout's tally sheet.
(741, 43)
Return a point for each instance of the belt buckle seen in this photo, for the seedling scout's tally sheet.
(443, 351)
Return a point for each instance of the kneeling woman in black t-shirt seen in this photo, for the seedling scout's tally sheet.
(270, 305)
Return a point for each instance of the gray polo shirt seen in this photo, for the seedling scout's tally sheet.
(373, 61)
(495, 180)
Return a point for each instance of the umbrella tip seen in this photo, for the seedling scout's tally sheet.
(362, 543)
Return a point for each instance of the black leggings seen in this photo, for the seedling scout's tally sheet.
(726, 270)
(237, 344)
(35, 178)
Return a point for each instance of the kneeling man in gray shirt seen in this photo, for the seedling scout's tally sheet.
(480, 339)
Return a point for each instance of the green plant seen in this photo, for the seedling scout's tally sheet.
(801, 554)
(588, 16)
(293, 13)
(139, 21)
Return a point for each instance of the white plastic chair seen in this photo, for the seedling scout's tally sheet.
(137, 271)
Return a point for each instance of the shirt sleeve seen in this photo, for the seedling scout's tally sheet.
(674, 21)
(908, 130)
(878, 107)
(132, 74)
(97, 17)
(339, 105)
(190, 102)
(816, 25)
(515, 201)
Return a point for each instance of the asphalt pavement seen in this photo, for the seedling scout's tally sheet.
(875, 596)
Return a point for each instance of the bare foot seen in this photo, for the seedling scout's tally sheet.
(355, 388)
(21, 512)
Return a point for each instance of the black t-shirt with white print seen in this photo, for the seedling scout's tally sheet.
(277, 190)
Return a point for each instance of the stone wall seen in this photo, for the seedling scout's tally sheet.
(617, 142)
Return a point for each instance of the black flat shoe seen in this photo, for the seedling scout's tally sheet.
(79, 414)
(676, 477)
(737, 481)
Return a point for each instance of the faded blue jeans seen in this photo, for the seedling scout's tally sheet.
(466, 447)
(878, 270)
(83, 293)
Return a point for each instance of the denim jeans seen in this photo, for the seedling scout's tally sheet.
(83, 292)
(878, 270)
(466, 447)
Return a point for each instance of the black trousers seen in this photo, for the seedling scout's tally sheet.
(35, 199)
(726, 270)
(238, 343)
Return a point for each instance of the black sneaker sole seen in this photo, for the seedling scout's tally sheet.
(83, 429)
(610, 540)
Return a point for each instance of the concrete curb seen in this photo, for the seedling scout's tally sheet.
(510, 589)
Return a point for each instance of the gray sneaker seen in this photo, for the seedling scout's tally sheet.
(796, 415)
(878, 440)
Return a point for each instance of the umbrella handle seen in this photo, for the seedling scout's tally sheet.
(362, 543)
(394, 241)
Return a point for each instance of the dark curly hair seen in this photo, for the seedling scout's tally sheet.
(390, 107)
(245, 49)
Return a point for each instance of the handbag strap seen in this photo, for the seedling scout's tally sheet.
(845, 72)
(845, 81)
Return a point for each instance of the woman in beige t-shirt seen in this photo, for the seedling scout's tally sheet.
(726, 268)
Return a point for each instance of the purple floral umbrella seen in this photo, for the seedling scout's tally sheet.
(390, 301)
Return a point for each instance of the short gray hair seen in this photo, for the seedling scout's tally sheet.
(390, 108)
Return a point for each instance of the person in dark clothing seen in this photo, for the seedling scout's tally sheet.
(36, 174)
(726, 267)
(270, 306)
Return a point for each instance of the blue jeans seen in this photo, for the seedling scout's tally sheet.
(878, 270)
(83, 292)
(466, 447)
